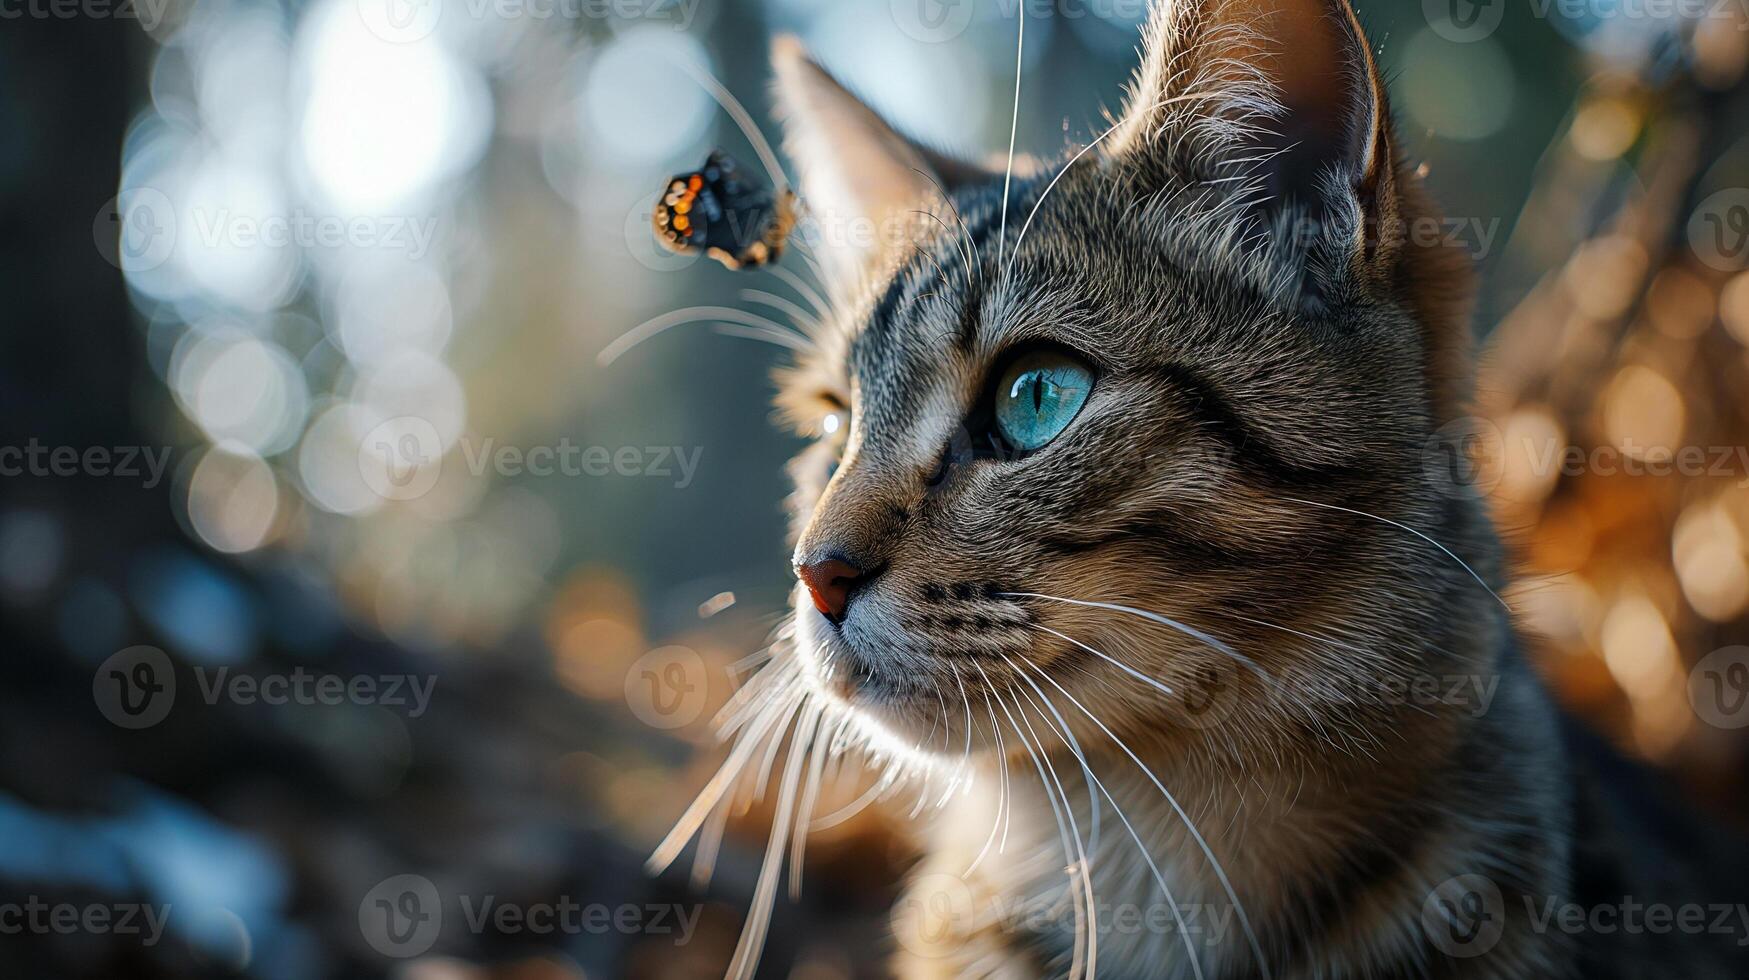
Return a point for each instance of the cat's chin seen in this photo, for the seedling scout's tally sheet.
(885, 705)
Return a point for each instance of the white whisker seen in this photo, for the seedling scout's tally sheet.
(1397, 524)
(1160, 879)
(802, 318)
(765, 891)
(1013, 129)
(718, 785)
(806, 292)
(1189, 631)
(692, 314)
(1086, 933)
(1189, 825)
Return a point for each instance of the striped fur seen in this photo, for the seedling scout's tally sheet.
(1272, 360)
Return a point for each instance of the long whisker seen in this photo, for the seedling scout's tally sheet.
(718, 785)
(1189, 825)
(1120, 665)
(801, 317)
(966, 750)
(742, 119)
(1068, 739)
(1397, 524)
(1070, 836)
(810, 794)
(1013, 129)
(710, 844)
(1160, 879)
(1189, 631)
(849, 810)
(1001, 818)
(780, 338)
(765, 891)
(692, 314)
(802, 289)
(757, 789)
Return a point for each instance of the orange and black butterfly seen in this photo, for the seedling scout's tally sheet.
(714, 211)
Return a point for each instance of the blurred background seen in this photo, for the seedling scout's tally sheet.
(339, 580)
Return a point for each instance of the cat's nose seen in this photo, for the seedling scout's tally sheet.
(829, 582)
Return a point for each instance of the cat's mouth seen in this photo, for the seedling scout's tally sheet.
(897, 660)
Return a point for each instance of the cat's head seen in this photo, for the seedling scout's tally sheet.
(1147, 383)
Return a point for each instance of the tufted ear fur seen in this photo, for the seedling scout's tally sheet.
(1281, 103)
(860, 179)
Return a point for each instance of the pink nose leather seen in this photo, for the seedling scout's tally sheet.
(829, 584)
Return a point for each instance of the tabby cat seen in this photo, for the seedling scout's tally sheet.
(1118, 535)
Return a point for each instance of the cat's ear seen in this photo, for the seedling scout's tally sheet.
(861, 180)
(1282, 95)
(1284, 99)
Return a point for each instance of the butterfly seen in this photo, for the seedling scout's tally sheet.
(714, 211)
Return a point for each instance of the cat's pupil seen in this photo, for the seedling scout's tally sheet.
(1041, 394)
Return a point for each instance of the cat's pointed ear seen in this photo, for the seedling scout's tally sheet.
(1282, 99)
(861, 180)
(1283, 94)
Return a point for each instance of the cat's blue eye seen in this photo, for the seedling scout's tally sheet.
(1038, 396)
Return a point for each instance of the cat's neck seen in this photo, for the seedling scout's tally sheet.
(1331, 855)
